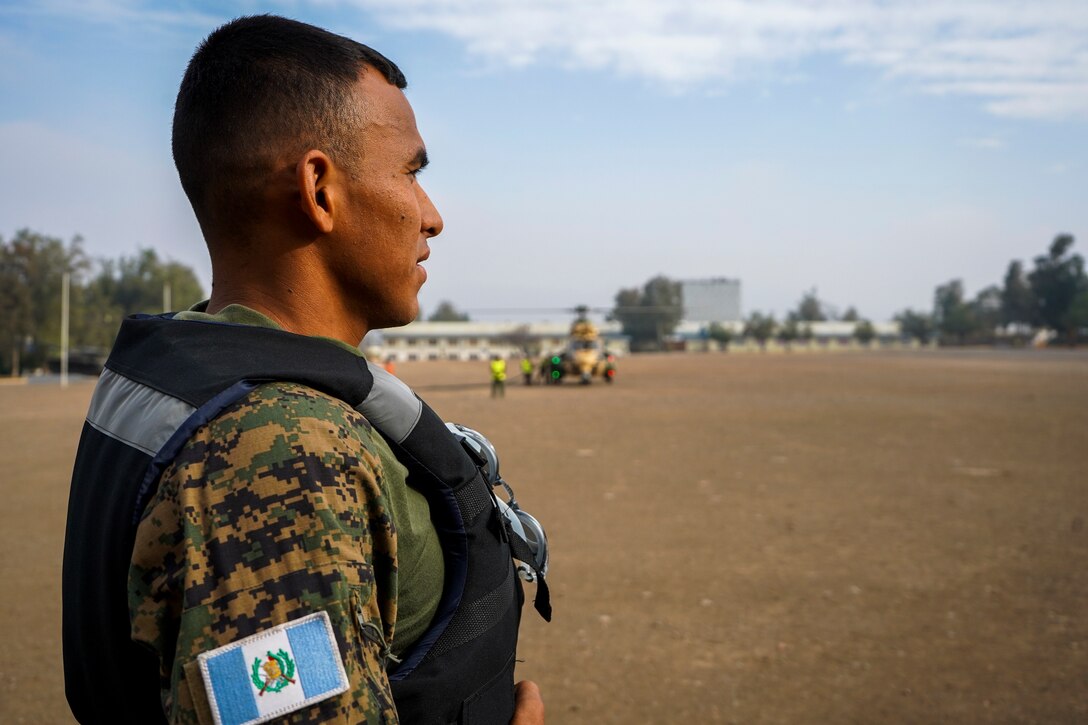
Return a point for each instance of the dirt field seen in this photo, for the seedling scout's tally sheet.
(846, 538)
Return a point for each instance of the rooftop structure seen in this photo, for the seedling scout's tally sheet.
(711, 300)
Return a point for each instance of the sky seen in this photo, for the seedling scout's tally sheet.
(868, 149)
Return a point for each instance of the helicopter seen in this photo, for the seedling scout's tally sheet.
(584, 356)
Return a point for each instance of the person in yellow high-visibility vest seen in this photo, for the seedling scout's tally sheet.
(498, 377)
(527, 370)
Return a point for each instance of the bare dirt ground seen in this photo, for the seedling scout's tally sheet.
(846, 538)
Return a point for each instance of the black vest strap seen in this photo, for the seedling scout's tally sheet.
(150, 349)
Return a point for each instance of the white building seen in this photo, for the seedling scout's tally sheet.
(480, 340)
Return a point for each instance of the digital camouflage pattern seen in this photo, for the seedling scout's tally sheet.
(272, 511)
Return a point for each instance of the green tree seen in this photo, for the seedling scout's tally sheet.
(185, 288)
(446, 312)
(136, 284)
(760, 328)
(35, 265)
(126, 286)
(810, 309)
(1076, 317)
(789, 331)
(720, 334)
(651, 314)
(1056, 280)
(15, 310)
(851, 315)
(32, 268)
(864, 332)
(96, 314)
(1017, 302)
(915, 325)
(953, 317)
(986, 311)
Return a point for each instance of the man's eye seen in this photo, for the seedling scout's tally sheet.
(415, 172)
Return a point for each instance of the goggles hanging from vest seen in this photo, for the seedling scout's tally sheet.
(531, 544)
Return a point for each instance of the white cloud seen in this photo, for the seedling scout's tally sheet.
(130, 14)
(1019, 59)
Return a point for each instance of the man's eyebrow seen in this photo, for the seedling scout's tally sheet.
(420, 160)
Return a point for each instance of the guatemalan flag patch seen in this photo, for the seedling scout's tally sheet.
(273, 672)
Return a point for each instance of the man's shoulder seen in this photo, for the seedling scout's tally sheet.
(280, 421)
(287, 402)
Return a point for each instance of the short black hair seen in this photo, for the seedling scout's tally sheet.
(255, 84)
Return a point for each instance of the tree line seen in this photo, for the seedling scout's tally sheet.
(650, 314)
(1051, 296)
(102, 292)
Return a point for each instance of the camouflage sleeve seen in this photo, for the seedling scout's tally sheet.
(272, 511)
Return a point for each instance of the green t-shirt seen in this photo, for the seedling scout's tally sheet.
(420, 564)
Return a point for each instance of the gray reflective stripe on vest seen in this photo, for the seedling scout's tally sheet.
(135, 414)
(391, 405)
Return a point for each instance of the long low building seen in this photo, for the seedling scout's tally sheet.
(830, 334)
(481, 340)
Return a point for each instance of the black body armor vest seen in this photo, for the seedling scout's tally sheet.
(163, 380)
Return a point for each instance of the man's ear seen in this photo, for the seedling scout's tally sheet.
(313, 177)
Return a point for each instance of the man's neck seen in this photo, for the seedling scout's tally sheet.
(284, 278)
(292, 309)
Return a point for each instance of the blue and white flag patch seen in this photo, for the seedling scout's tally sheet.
(273, 672)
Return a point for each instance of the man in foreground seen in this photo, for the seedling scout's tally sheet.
(263, 526)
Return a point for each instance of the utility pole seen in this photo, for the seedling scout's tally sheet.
(64, 330)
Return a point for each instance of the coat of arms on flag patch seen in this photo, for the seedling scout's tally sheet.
(274, 672)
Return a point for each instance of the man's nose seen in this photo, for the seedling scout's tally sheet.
(430, 220)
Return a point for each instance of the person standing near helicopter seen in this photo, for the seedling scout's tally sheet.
(498, 377)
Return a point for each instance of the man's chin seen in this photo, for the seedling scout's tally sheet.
(400, 318)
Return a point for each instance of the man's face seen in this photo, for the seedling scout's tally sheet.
(383, 232)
